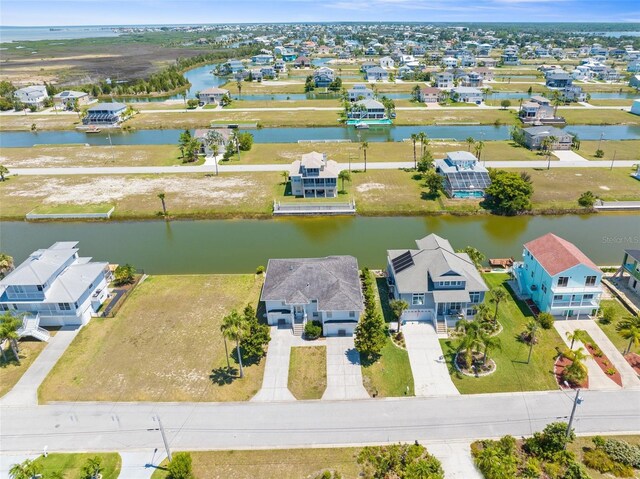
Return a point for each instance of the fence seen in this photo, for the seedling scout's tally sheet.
(313, 209)
(324, 141)
(68, 216)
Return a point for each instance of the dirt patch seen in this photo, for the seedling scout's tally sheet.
(605, 188)
(370, 186)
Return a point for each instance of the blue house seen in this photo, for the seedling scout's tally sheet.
(559, 278)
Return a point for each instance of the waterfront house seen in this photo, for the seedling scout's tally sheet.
(314, 176)
(430, 94)
(208, 136)
(56, 287)
(212, 95)
(387, 62)
(367, 65)
(377, 74)
(630, 266)
(262, 59)
(464, 176)
(534, 137)
(33, 95)
(538, 110)
(634, 81)
(558, 79)
(439, 285)
(67, 99)
(466, 95)
(635, 107)
(472, 79)
(367, 110)
(359, 92)
(326, 289)
(510, 56)
(105, 114)
(233, 66)
(444, 80)
(558, 277)
(302, 62)
(450, 62)
(323, 77)
(280, 66)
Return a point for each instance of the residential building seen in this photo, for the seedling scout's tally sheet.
(302, 62)
(360, 92)
(377, 74)
(314, 289)
(450, 62)
(534, 137)
(439, 285)
(558, 79)
(558, 278)
(262, 59)
(323, 77)
(280, 65)
(573, 93)
(212, 95)
(464, 176)
(538, 110)
(472, 79)
(630, 266)
(68, 98)
(444, 80)
(634, 81)
(635, 107)
(33, 95)
(485, 73)
(510, 57)
(314, 176)
(56, 287)
(467, 95)
(105, 114)
(207, 137)
(366, 65)
(430, 94)
(367, 110)
(387, 62)
(234, 66)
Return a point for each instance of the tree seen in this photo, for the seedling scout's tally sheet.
(557, 101)
(397, 307)
(505, 104)
(164, 205)
(344, 175)
(470, 341)
(552, 440)
(576, 372)
(180, 466)
(509, 193)
(545, 320)
(255, 342)
(587, 199)
(9, 325)
(425, 163)
(414, 139)
(479, 148)
(629, 328)
(6, 264)
(474, 255)
(408, 461)
(92, 468)
(239, 85)
(234, 328)
(27, 469)
(363, 146)
(470, 141)
(415, 93)
(4, 171)
(529, 336)
(124, 274)
(577, 335)
(424, 143)
(245, 141)
(285, 177)
(185, 138)
(498, 295)
(434, 183)
(192, 150)
(370, 334)
(489, 343)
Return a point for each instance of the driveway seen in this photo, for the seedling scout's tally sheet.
(569, 155)
(276, 370)
(456, 459)
(430, 376)
(25, 392)
(344, 375)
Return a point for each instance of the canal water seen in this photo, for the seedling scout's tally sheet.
(239, 246)
(12, 139)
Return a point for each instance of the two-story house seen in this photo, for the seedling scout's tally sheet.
(438, 284)
(323, 77)
(314, 289)
(360, 92)
(559, 278)
(33, 95)
(367, 110)
(314, 176)
(631, 266)
(464, 176)
(105, 114)
(56, 286)
(535, 136)
(212, 95)
(444, 80)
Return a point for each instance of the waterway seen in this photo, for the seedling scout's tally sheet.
(11, 139)
(235, 246)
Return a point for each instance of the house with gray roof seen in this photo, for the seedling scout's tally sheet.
(368, 109)
(535, 136)
(314, 289)
(69, 98)
(314, 176)
(56, 286)
(377, 74)
(105, 114)
(464, 176)
(32, 95)
(439, 285)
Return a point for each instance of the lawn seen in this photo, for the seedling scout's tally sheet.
(610, 329)
(611, 102)
(71, 464)
(518, 87)
(329, 103)
(513, 373)
(623, 149)
(456, 116)
(580, 443)
(89, 156)
(163, 345)
(308, 372)
(272, 464)
(11, 371)
(76, 209)
(592, 116)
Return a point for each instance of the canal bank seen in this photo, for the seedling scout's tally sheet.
(239, 246)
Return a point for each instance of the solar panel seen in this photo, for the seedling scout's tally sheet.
(402, 262)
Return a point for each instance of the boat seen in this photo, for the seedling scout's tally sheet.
(362, 126)
(94, 129)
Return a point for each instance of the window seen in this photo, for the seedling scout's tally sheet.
(544, 287)
(447, 283)
(329, 314)
(532, 274)
(587, 297)
(64, 306)
(557, 297)
(591, 281)
(4, 307)
(563, 281)
(417, 299)
(352, 314)
(39, 287)
(475, 296)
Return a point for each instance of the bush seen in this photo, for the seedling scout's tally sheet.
(180, 466)
(497, 459)
(245, 140)
(611, 371)
(312, 330)
(124, 274)
(587, 199)
(608, 315)
(550, 441)
(623, 452)
(599, 154)
(575, 471)
(260, 270)
(575, 374)
(598, 459)
(192, 103)
(545, 320)
(399, 460)
(255, 343)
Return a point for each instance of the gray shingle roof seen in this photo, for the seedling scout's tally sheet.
(333, 281)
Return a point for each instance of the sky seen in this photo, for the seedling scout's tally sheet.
(133, 12)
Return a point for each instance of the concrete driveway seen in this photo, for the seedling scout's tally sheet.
(456, 459)
(276, 370)
(344, 375)
(568, 155)
(430, 376)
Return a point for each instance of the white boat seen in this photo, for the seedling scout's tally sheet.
(362, 126)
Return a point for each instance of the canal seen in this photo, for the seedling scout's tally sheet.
(234, 246)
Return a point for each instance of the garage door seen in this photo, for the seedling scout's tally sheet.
(339, 329)
(417, 315)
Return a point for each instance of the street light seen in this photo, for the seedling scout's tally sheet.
(577, 400)
(164, 437)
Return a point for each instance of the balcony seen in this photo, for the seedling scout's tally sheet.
(631, 268)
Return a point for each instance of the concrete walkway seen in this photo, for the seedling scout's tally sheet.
(569, 155)
(25, 392)
(430, 376)
(456, 459)
(276, 370)
(629, 377)
(344, 374)
(140, 464)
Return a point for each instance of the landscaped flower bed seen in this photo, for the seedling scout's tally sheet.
(560, 365)
(604, 363)
(478, 366)
(634, 361)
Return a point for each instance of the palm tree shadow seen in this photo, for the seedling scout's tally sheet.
(222, 376)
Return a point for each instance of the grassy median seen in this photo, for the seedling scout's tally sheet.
(71, 464)
(308, 372)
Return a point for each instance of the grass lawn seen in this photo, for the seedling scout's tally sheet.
(450, 117)
(518, 87)
(623, 149)
(390, 375)
(329, 103)
(163, 345)
(616, 184)
(592, 116)
(605, 87)
(11, 371)
(308, 372)
(42, 122)
(71, 464)
(581, 443)
(290, 86)
(513, 373)
(610, 329)
(611, 102)
(77, 209)
(80, 155)
(272, 464)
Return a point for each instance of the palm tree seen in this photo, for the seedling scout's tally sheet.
(497, 296)
(364, 147)
(164, 205)
(490, 343)
(3, 172)
(215, 149)
(577, 335)
(531, 331)
(555, 99)
(398, 307)
(25, 470)
(344, 175)
(92, 468)
(6, 264)
(470, 141)
(629, 328)
(285, 177)
(234, 328)
(479, 147)
(424, 143)
(239, 85)
(9, 325)
(470, 340)
(414, 139)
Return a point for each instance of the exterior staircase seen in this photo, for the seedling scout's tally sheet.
(298, 325)
(31, 327)
(441, 328)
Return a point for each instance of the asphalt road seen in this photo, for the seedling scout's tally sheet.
(198, 426)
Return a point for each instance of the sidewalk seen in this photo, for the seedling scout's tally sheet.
(25, 392)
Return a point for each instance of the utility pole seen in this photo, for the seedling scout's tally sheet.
(600, 141)
(164, 438)
(613, 159)
(576, 401)
(113, 158)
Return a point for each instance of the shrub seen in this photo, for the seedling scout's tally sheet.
(623, 452)
(598, 459)
(245, 140)
(312, 330)
(621, 470)
(192, 103)
(180, 466)
(599, 154)
(598, 441)
(611, 371)
(545, 320)
(399, 460)
(587, 199)
(608, 315)
(496, 459)
(598, 353)
(575, 471)
(260, 270)
(575, 374)
(551, 441)
(255, 343)
(124, 274)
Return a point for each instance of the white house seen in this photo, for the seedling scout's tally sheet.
(56, 287)
(314, 176)
(387, 62)
(68, 98)
(450, 62)
(360, 92)
(314, 289)
(212, 95)
(467, 95)
(32, 95)
(444, 80)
